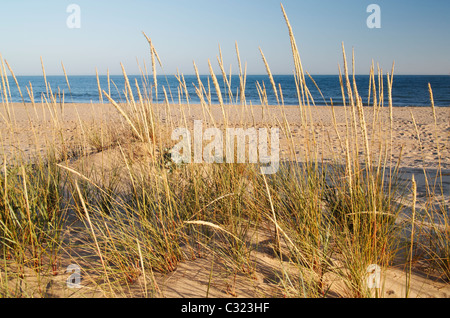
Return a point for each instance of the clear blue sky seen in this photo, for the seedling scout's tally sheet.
(413, 33)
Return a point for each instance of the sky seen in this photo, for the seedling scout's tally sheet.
(413, 33)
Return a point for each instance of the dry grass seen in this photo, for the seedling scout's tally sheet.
(127, 220)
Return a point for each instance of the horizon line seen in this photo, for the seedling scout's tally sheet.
(360, 74)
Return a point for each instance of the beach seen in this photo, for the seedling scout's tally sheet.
(417, 142)
(414, 139)
(139, 159)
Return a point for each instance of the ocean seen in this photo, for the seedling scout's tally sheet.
(408, 90)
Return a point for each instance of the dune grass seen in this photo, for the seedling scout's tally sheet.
(136, 216)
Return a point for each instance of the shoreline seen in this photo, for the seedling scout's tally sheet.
(66, 102)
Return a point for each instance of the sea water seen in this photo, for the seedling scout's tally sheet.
(408, 90)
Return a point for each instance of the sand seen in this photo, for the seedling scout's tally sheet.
(416, 142)
(418, 151)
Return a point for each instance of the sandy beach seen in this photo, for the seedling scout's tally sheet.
(417, 141)
(422, 146)
(134, 163)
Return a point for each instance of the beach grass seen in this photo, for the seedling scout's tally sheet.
(113, 202)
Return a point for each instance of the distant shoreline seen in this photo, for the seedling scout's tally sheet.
(67, 102)
(203, 75)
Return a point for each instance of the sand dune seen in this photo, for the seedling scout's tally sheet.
(421, 145)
